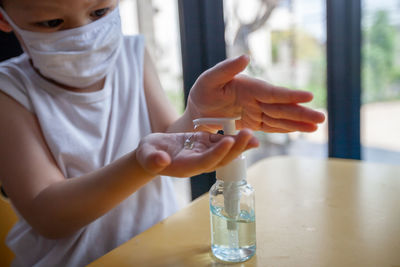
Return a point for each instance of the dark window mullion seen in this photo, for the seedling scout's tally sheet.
(344, 77)
(203, 45)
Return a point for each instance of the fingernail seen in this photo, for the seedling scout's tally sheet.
(244, 56)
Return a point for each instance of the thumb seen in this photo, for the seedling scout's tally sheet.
(153, 160)
(226, 70)
(157, 161)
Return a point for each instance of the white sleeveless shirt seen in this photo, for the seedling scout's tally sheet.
(86, 131)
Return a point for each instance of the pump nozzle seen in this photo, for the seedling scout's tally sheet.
(232, 173)
(228, 124)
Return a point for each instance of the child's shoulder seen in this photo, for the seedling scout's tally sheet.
(132, 53)
(15, 78)
(19, 63)
(16, 70)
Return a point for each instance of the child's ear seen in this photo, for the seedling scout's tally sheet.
(4, 25)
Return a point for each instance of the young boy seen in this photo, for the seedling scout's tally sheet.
(87, 131)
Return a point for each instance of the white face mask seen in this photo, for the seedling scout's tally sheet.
(77, 57)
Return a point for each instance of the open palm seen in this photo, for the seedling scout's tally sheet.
(260, 105)
(167, 154)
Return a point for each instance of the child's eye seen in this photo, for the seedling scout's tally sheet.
(100, 12)
(54, 23)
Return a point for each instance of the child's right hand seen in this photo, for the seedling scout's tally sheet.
(167, 154)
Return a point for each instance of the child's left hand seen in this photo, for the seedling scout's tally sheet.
(221, 92)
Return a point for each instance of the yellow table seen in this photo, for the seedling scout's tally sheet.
(309, 212)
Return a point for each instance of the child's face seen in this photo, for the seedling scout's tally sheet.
(54, 15)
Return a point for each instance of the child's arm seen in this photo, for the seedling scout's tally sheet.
(56, 206)
(162, 113)
(222, 92)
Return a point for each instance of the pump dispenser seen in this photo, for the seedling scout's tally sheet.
(233, 236)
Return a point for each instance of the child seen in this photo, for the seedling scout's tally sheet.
(87, 131)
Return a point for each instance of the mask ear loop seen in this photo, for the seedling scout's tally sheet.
(14, 28)
(8, 19)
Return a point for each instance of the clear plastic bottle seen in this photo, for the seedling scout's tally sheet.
(233, 234)
(232, 212)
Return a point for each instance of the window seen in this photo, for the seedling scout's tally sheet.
(380, 111)
(286, 40)
(158, 21)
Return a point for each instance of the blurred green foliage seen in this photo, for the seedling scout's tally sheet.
(381, 76)
(306, 48)
(380, 60)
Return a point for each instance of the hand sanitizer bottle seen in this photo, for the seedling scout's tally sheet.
(233, 229)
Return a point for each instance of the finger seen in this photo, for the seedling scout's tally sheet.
(208, 139)
(212, 156)
(289, 125)
(198, 161)
(213, 138)
(242, 140)
(269, 129)
(252, 119)
(226, 70)
(251, 122)
(267, 93)
(252, 143)
(292, 112)
(161, 159)
(157, 161)
(259, 125)
(151, 159)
